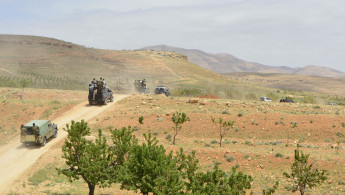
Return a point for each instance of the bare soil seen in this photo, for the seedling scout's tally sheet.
(16, 158)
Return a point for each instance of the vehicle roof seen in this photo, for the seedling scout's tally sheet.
(37, 123)
(160, 87)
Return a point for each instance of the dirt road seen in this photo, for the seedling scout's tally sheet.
(16, 157)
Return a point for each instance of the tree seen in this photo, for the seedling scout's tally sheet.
(141, 118)
(223, 127)
(302, 174)
(24, 83)
(219, 182)
(93, 161)
(150, 169)
(123, 142)
(178, 119)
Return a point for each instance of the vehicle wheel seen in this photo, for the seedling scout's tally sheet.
(55, 133)
(105, 101)
(90, 102)
(44, 141)
(112, 99)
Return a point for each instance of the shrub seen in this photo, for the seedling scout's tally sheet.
(155, 133)
(226, 112)
(247, 142)
(239, 114)
(168, 137)
(226, 141)
(278, 155)
(339, 134)
(230, 158)
(214, 141)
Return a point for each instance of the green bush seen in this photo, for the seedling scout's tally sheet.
(278, 155)
(214, 141)
(168, 137)
(230, 158)
(226, 112)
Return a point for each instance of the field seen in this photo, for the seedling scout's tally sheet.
(261, 143)
(35, 104)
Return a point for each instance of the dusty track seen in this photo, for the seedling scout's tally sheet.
(16, 157)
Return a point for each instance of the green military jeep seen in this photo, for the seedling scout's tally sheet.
(38, 131)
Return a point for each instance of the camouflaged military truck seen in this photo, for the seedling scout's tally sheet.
(38, 131)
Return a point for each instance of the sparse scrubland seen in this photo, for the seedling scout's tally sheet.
(260, 144)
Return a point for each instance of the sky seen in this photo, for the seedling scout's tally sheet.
(292, 33)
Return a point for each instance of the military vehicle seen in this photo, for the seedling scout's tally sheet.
(99, 93)
(38, 131)
(162, 90)
(287, 100)
(140, 86)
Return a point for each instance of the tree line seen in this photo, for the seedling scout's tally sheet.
(148, 167)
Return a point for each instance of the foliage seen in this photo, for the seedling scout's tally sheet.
(218, 182)
(223, 127)
(178, 119)
(270, 191)
(186, 92)
(123, 140)
(87, 159)
(302, 174)
(141, 118)
(149, 169)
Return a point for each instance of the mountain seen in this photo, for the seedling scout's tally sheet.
(318, 71)
(52, 63)
(226, 63)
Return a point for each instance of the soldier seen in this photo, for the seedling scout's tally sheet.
(95, 89)
(104, 83)
(93, 81)
(35, 130)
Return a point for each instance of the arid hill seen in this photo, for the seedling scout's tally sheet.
(226, 63)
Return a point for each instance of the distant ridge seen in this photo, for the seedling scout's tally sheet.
(226, 63)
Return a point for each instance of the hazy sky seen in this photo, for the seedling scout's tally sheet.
(291, 33)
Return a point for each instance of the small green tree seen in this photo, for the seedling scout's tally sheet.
(123, 142)
(149, 169)
(141, 118)
(24, 83)
(302, 174)
(223, 127)
(178, 119)
(93, 161)
(219, 182)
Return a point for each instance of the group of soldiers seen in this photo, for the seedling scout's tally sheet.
(141, 83)
(96, 85)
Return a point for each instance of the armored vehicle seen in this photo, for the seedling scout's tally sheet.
(162, 90)
(140, 86)
(99, 93)
(38, 131)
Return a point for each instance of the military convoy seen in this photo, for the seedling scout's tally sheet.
(99, 93)
(38, 131)
(140, 86)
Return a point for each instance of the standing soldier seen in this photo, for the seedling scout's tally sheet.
(35, 131)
